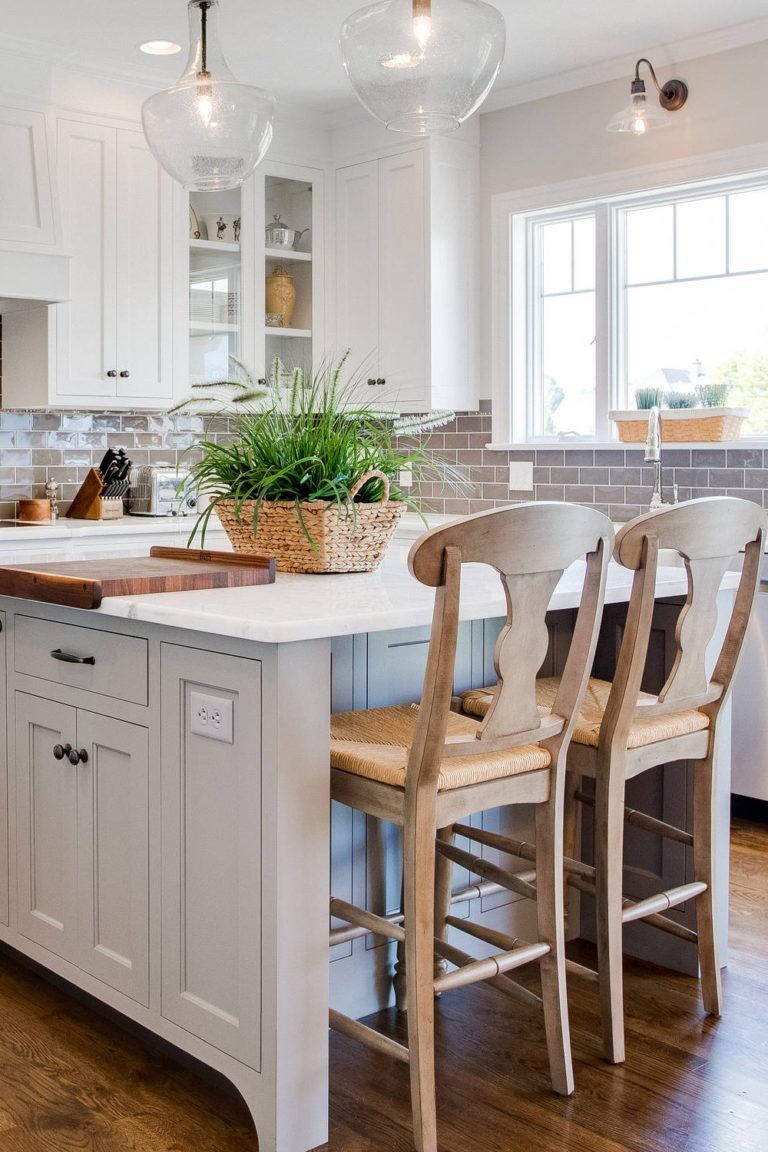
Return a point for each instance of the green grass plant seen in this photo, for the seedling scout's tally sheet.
(305, 438)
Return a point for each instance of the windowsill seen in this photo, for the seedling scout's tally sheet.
(544, 445)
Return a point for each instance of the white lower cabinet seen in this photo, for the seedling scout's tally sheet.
(212, 850)
(83, 840)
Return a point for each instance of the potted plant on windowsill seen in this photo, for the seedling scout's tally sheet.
(686, 417)
(310, 475)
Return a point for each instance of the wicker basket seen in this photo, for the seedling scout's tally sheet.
(682, 425)
(347, 537)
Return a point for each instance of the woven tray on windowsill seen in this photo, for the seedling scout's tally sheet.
(682, 425)
(349, 537)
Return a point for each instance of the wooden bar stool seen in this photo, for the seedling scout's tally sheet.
(623, 732)
(425, 767)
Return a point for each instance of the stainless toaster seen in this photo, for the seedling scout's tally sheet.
(160, 490)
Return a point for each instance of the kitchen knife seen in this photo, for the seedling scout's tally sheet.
(109, 456)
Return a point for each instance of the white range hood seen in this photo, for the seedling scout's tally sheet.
(37, 276)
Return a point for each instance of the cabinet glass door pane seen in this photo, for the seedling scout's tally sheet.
(214, 284)
(288, 271)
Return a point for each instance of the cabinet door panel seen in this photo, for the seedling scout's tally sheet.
(85, 329)
(113, 848)
(357, 268)
(403, 278)
(211, 820)
(145, 271)
(26, 208)
(46, 825)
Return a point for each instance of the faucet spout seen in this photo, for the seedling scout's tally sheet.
(653, 456)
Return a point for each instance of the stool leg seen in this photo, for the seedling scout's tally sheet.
(419, 881)
(703, 869)
(443, 888)
(398, 977)
(609, 865)
(571, 846)
(551, 927)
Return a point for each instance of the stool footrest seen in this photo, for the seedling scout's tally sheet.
(487, 870)
(368, 1036)
(362, 918)
(649, 823)
(503, 983)
(637, 910)
(491, 966)
(575, 969)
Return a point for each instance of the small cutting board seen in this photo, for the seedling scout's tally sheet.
(85, 583)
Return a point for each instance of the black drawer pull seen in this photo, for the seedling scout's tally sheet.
(70, 658)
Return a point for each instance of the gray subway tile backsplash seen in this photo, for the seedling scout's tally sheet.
(35, 446)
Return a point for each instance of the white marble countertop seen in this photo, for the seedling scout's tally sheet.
(312, 607)
(296, 607)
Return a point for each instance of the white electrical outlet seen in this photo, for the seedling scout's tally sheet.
(521, 476)
(405, 478)
(212, 717)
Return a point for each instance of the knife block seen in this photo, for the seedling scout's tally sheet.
(89, 504)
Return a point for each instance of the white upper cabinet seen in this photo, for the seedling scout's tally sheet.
(114, 340)
(357, 262)
(406, 274)
(26, 202)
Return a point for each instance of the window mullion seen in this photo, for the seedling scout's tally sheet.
(605, 326)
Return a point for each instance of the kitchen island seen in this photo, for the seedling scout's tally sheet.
(169, 835)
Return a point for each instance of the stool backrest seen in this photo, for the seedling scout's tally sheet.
(708, 535)
(530, 546)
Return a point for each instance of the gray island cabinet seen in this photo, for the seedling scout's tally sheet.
(167, 843)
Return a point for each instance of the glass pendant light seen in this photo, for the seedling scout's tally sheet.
(423, 66)
(208, 130)
(639, 116)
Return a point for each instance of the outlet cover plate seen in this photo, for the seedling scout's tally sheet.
(521, 476)
(212, 717)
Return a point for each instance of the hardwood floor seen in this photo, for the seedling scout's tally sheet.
(72, 1080)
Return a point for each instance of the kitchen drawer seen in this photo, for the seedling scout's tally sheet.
(119, 667)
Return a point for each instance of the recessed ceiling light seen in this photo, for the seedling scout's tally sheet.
(160, 47)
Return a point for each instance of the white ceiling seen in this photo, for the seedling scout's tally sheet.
(290, 46)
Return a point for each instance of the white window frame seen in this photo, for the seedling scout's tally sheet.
(512, 218)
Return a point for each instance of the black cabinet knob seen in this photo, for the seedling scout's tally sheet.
(80, 757)
(112, 373)
(125, 374)
(61, 750)
(371, 381)
(381, 380)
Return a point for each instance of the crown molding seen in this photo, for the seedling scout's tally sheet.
(623, 66)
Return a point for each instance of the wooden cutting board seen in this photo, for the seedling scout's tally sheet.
(85, 583)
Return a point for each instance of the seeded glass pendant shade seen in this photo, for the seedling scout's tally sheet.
(208, 130)
(423, 66)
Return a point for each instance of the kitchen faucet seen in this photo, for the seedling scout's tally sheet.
(653, 456)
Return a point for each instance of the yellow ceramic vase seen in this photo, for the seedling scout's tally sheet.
(281, 294)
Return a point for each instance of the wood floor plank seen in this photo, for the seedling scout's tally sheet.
(72, 1080)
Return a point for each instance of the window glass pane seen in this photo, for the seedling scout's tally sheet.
(749, 230)
(701, 237)
(716, 327)
(650, 244)
(584, 253)
(556, 252)
(566, 402)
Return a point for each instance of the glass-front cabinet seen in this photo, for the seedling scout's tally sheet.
(255, 274)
